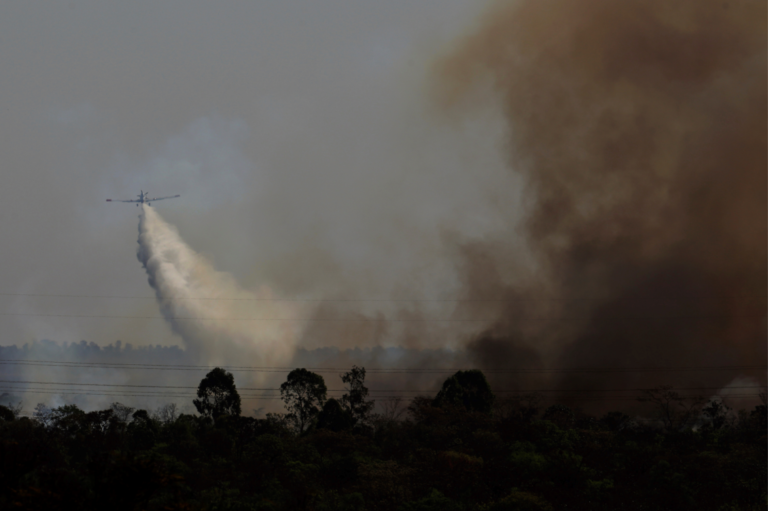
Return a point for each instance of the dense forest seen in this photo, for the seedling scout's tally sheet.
(463, 449)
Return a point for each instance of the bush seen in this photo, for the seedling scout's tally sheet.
(435, 501)
(334, 417)
(519, 501)
(468, 389)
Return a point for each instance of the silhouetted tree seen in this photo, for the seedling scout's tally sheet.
(6, 414)
(167, 413)
(716, 413)
(469, 389)
(354, 400)
(42, 414)
(303, 393)
(521, 407)
(561, 415)
(759, 417)
(122, 412)
(15, 409)
(615, 421)
(334, 417)
(141, 416)
(673, 409)
(217, 395)
(394, 408)
(66, 419)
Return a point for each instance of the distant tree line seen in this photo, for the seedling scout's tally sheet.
(463, 449)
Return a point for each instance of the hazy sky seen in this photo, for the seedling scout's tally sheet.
(297, 132)
(360, 150)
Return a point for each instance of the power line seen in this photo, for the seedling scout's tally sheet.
(388, 320)
(145, 394)
(28, 382)
(272, 397)
(382, 300)
(108, 365)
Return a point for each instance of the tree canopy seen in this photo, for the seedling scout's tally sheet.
(334, 417)
(468, 389)
(451, 458)
(304, 394)
(354, 401)
(217, 395)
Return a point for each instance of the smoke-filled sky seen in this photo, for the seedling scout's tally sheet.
(640, 130)
(589, 177)
(297, 133)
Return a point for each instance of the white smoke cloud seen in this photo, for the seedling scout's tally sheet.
(217, 319)
(736, 388)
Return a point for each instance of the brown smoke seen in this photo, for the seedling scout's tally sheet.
(640, 129)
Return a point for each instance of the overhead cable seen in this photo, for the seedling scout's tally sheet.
(403, 370)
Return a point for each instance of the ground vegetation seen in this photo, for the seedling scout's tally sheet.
(461, 450)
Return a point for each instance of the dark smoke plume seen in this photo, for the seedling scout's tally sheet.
(640, 129)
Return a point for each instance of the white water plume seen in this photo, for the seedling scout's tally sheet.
(218, 320)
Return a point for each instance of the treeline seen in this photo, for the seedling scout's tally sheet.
(85, 351)
(119, 352)
(461, 450)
